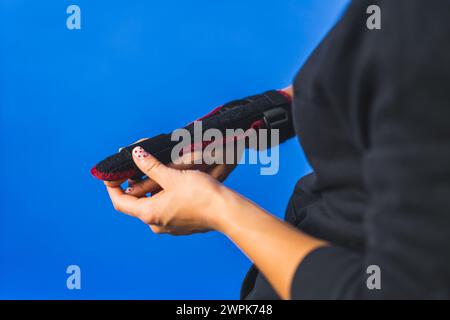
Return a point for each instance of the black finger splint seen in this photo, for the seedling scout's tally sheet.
(270, 110)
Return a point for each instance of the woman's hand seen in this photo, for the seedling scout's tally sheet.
(192, 201)
(187, 162)
(186, 203)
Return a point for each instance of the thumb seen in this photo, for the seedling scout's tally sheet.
(152, 168)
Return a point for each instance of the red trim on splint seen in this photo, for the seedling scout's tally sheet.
(258, 124)
(212, 112)
(112, 176)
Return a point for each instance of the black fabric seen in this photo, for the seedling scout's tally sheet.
(372, 112)
(238, 114)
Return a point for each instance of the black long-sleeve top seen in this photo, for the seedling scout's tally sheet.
(372, 112)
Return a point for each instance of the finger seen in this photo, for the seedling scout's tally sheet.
(158, 229)
(154, 169)
(142, 188)
(176, 231)
(126, 203)
(113, 184)
(189, 158)
(172, 231)
(154, 209)
(133, 181)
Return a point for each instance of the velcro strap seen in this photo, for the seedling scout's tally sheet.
(276, 118)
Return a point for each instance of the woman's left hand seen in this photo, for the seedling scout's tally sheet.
(187, 203)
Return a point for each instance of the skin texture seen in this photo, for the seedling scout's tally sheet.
(189, 199)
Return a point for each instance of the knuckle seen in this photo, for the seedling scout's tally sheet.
(151, 166)
(146, 219)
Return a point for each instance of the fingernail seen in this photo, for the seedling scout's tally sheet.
(140, 153)
(129, 190)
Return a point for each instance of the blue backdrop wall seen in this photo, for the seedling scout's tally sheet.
(135, 69)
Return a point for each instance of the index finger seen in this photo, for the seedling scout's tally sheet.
(126, 203)
(113, 183)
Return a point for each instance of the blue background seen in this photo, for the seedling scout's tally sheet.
(135, 69)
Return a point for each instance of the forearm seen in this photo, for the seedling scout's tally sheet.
(275, 247)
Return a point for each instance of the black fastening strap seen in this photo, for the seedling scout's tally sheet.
(276, 118)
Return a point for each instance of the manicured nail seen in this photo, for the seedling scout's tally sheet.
(129, 190)
(140, 153)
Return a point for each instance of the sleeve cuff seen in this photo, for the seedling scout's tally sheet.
(327, 273)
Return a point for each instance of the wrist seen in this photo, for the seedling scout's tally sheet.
(289, 91)
(221, 214)
(232, 212)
